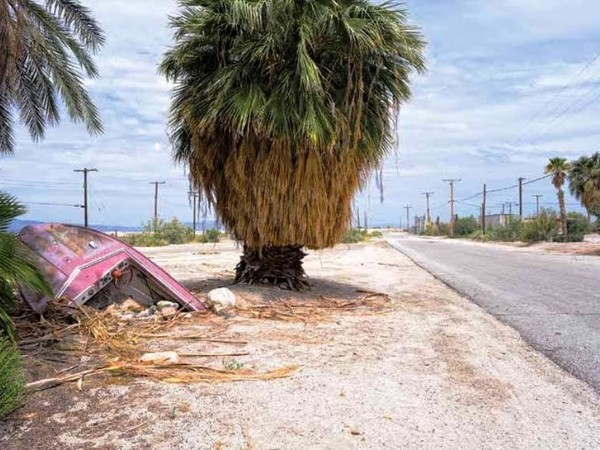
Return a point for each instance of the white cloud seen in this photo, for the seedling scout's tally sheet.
(492, 66)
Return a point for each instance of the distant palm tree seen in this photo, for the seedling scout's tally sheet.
(584, 182)
(559, 169)
(282, 109)
(44, 46)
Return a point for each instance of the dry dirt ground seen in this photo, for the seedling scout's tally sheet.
(431, 371)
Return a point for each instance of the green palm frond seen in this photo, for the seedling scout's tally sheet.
(282, 108)
(47, 51)
(584, 182)
(559, 169)
(15, 265)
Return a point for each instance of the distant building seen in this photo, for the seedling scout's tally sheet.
(494, 220)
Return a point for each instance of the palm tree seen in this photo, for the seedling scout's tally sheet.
(282, 109)
(584, 182)
(559, 169)
(44, 48)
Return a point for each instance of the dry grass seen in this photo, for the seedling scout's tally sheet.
(114, 346)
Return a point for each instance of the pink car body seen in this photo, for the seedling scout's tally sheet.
(83, 264)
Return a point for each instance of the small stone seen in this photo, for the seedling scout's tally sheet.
(188, 315)
(132, 305)
(221, 298)
(147, 313)
(161, 357)
(168, 312)
(165, 304)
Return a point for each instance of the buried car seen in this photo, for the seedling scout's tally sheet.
(87, 266)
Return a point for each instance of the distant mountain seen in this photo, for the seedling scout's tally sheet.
(19, 224)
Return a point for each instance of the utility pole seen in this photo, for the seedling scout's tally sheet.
(521, 179)
(408, 208)
(452, 181)
(537, 204)
(483, 207)
(510, 205)
(427, 196)
(156, 183)
(85, 172)
(194, 195)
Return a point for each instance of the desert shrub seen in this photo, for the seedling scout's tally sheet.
(354, 235)
(209, 236)
(480, 236)
(510, 231)
(577, 227)
(12, 384)
(542, 228)
(160, 232)
(464, 226)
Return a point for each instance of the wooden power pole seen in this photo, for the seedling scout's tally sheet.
(483, 205)
(85, 172)
(427, 196)
(537, 204)
(156, 183)
(408, 208)
(452, 181)
(521, 179)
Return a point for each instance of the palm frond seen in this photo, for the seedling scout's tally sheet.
(48, 53)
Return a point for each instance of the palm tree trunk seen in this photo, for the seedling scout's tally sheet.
(279, 266)
(563, 213)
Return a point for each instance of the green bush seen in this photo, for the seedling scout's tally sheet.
(542, 228)
(12, 383)
(509, 231)
(577, 227)
(480, 236)
(160, 232)
(356, 235)
(465, 226)
(209, 236)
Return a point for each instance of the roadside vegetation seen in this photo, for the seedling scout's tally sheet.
(356, 235)
(161, 232)
(546, 227)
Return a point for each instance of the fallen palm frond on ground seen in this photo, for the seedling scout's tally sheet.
(117, 347)
(166, 372)
(322, 309)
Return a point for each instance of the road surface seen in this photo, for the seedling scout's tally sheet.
(552, 300)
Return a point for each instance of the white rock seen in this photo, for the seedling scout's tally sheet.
(221, 298)
(161, 357)
(165, 304)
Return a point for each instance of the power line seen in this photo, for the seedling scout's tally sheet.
(53, 204)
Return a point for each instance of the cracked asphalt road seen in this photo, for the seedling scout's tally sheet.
(552, 300)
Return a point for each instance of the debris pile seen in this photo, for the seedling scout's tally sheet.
(100, 343)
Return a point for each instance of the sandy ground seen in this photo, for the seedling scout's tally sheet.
(433, 372)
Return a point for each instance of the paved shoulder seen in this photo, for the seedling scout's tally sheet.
(552, 300)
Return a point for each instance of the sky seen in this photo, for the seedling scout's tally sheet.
(509, 84)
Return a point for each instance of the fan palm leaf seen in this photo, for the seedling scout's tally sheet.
(584, 182)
